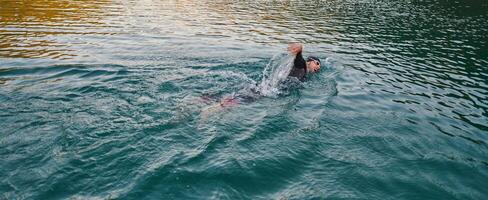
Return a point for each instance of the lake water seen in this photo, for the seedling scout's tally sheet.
(116, 100)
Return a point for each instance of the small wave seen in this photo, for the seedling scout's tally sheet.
(28, 77)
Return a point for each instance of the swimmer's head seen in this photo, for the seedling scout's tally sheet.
(313, 64)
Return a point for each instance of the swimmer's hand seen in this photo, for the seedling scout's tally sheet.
(295, 48)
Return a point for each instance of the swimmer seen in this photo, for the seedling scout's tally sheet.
(301, 68)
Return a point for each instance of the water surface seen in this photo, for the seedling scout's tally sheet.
(103, 100)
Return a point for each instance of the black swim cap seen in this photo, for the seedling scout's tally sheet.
(313, 58)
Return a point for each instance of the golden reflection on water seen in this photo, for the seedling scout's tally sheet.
(63, 29)
(28, 27)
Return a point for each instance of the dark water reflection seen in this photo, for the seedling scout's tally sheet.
(97, 100)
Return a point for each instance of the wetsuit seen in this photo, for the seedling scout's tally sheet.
(299, 69)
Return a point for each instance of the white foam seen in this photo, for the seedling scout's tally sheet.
(275, 72)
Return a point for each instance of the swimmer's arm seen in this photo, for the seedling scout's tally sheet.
(299, 62)
(299, 65)
(296, 49)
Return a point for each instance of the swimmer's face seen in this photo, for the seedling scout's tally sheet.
(313, 66)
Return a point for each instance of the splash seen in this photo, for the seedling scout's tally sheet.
(275, 73)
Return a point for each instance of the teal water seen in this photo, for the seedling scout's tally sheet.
(103, 100)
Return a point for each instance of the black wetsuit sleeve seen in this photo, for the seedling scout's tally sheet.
(299, 69)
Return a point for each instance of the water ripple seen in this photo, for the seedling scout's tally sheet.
(119, 99)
